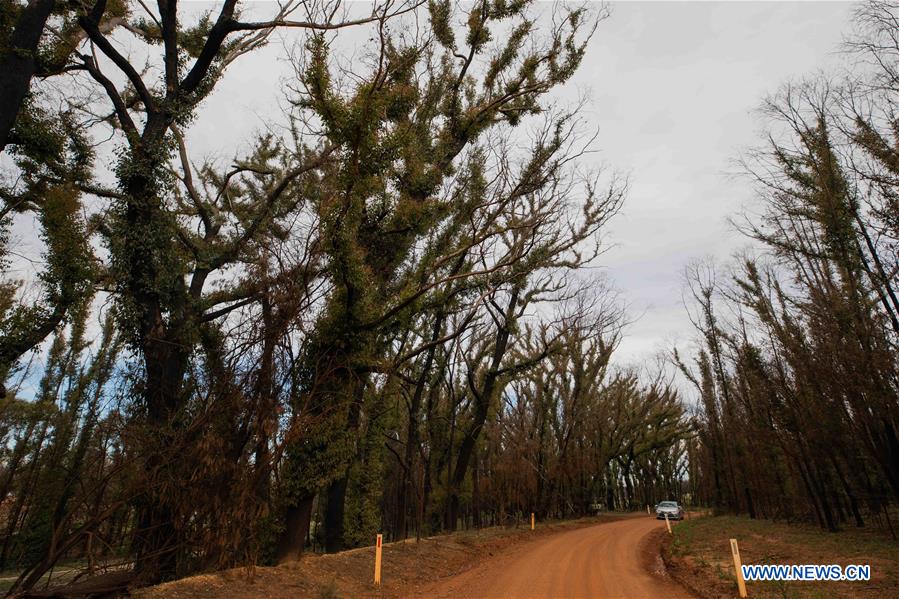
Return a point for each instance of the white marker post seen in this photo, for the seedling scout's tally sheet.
(738, 566)
(668, 523)
(532, 520)
(378, 561)
(647, 510)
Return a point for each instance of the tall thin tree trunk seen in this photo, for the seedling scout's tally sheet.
(296, 524)
(18, 62)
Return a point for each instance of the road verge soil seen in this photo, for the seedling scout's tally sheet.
(408, 567)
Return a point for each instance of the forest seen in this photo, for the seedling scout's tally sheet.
(375, 319)
(382, 314)
(797, 369)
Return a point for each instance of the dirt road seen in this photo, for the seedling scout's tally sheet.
(613, 560)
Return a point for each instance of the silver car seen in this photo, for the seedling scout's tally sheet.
(671, 509)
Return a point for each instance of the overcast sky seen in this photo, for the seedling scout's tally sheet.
(674, 89)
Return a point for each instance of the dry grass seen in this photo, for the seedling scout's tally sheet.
(699, 556)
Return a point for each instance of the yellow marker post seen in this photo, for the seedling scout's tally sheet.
(532, 520)
(738, 566)
(668, 523)
(378, 561)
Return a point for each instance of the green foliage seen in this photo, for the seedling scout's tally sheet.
(314, 458)
(362, 519)
(69, 275)
(48, 148)
(192, 38)
(67, 278)
(441, 12)
(398, 135)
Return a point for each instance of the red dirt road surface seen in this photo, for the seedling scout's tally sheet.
(607, 561)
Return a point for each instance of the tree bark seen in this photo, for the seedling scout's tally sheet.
(18, 63)
(296, 527)
(483, 397)
(413, 436)
(334, 514)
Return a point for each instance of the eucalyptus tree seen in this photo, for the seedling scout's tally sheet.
(572, 433)
(814, 214)
(558, 397)
(21, 29)
(398, 217)
(159, 270)
(59, 502)
(796, 367)
(54, 162)
(371, 282)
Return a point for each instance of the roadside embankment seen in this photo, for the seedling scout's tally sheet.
(408, 569)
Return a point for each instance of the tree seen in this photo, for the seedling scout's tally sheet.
(159, 274)
(395, 213)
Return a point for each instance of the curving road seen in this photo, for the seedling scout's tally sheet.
(606, 561)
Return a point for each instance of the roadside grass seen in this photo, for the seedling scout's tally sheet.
(63, 572)
(699, 556)
(409, 569)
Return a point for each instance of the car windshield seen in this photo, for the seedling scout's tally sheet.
(668, 504)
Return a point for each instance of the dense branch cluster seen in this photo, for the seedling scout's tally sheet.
(798, 370)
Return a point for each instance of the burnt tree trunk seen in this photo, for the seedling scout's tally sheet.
(413, 436)
(19, 63)
(483, 394)
(296, 524)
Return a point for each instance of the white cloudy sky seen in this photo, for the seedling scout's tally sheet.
(672, 87)
(675, 86)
